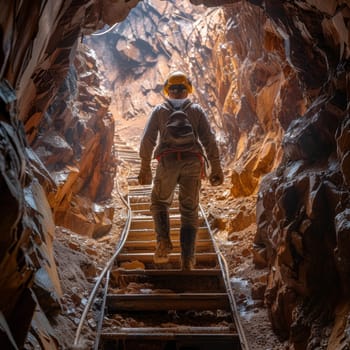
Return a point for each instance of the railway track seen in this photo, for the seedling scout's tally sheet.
(150, 306)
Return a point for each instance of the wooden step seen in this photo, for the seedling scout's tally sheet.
(140, 200)
(127, 152)
(147, 258)
(145, 207)
(204, 245)
(124, 147)
(142, 222)
(146, 212)
(164, 338)
(138, 194)
(167, 301)
(173, 331)
(137, 204)
(131, 160)
(149, 234)
(139, 190)
(210, 280)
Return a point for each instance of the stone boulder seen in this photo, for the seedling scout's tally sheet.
(77, 149)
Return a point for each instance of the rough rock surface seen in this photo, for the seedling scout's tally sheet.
(274, 76)
(36, 56)
(77, 133)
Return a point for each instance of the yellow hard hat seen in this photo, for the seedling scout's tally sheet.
(177, 78)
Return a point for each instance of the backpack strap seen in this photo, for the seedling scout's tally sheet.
(187, 104)
(169, 105)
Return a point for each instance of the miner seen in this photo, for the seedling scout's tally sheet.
(179, 136)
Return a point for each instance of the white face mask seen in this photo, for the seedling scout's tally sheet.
(177, 102)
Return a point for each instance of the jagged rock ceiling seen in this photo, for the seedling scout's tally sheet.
(279, 78)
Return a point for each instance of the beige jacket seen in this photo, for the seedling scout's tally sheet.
(153, 144)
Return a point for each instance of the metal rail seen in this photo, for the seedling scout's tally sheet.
(107, 268)
(226, 276)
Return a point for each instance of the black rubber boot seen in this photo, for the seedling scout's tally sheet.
(188, 240)
(162, 228)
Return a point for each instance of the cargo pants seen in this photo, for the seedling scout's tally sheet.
(183, 169)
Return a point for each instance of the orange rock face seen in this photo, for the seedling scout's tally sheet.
(274, 78)
(77, 148)
(73, 164)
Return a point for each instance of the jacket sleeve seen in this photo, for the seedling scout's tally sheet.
(207, 137)
(149, 137)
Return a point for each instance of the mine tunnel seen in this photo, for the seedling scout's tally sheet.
(273, 76)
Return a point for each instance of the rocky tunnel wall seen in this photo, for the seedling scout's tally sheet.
(281, 90)
(39, 79)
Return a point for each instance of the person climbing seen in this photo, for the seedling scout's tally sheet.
(174, 134)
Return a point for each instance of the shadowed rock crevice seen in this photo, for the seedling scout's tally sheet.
(274, 77)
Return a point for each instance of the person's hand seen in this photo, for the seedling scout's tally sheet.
(216, 176)
(145, 174)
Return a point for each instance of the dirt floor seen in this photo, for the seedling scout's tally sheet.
(81, 259)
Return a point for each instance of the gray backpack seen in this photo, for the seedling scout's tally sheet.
(179, 132)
